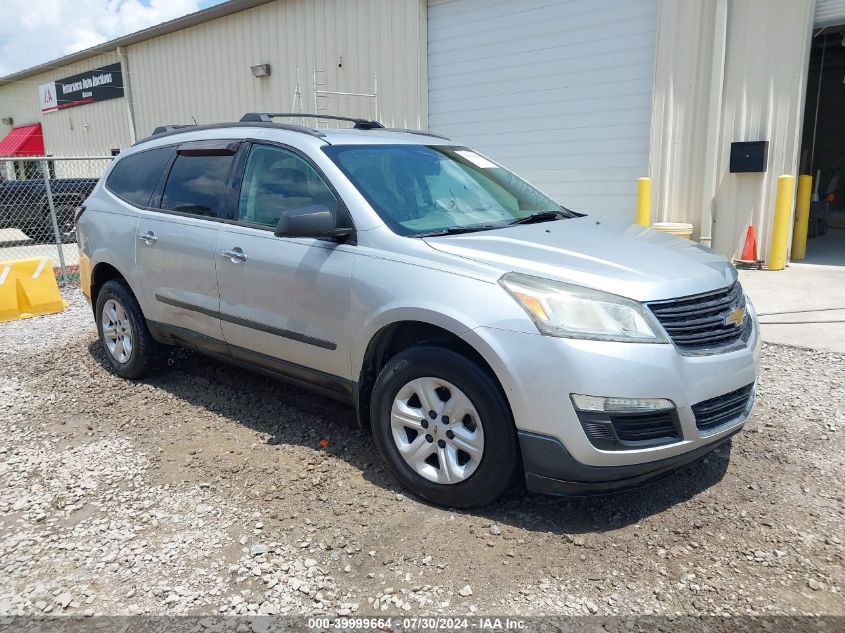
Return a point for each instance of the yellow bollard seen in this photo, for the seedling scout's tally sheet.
(802, 217)
(644, 201)
(780, 226)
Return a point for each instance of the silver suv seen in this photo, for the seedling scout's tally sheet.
(482, 331)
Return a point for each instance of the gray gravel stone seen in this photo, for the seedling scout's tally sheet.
(205, 490)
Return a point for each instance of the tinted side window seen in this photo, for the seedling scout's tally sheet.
(278, 180)
(196, 184)
(134, 178)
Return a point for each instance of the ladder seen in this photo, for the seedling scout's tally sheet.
(322, 94)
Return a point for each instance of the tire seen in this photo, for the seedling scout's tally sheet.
(475, 483)
(145, 355)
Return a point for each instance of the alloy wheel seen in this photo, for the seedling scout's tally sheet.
(117, 331)
(437, 430)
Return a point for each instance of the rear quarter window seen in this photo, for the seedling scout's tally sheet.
(135, 177)
(196, 184)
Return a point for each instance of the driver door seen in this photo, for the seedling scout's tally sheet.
(284, 302)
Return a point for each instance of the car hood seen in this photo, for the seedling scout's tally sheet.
(625, 259)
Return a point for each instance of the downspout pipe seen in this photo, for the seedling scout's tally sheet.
(127, 92)
(714, 121)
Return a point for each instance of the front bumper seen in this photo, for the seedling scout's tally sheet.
(538, 374)
(551, 470)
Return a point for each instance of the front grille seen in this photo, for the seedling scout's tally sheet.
(639, 427)
(717, 411)
(699, 322)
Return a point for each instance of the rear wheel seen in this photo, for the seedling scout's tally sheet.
(129, 348)
(443, 427)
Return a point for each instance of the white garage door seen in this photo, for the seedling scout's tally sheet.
(558, 91)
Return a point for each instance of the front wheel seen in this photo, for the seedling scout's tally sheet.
(444, 428)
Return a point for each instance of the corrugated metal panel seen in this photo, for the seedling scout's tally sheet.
(203, 72)
(829, 13)
(204, 15)
(765, 74)
(773, 36)
(560, 92)
(680, 118)
(89, 130)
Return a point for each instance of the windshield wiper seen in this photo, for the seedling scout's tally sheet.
(543, 216)
(456, 230)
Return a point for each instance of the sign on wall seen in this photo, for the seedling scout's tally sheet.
(90, 86)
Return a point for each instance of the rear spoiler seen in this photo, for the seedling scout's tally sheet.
(161, 129)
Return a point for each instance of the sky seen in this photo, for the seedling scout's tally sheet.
(36, 31)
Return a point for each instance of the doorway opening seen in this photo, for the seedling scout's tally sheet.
(823, 146)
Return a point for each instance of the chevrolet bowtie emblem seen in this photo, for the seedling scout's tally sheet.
(736, 316)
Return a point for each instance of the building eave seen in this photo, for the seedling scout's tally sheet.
(177, 24)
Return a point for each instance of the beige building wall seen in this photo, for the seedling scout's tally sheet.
(203, 72)
(726, 70)
(88, 130)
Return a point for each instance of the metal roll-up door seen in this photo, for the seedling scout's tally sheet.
(829, 13)
(558, 91)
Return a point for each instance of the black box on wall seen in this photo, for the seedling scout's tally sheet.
(749, 156)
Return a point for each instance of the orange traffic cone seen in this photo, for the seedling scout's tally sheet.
(749, 251)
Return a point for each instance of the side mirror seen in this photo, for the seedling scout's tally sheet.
(315, 221)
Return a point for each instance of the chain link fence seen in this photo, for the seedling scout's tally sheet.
(38, 197)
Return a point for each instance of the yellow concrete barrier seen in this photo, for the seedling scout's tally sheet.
(644, 201)
(780, 226)
(28, 288)
(802, 217)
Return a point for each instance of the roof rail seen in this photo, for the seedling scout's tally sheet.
(161, 129)
(412, 131)
(169, 130)
(267, 117)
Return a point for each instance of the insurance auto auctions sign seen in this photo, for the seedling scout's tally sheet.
(99, 84)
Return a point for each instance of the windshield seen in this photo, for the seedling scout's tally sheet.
(424, 190)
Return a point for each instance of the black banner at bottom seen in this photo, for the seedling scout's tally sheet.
(491, 623)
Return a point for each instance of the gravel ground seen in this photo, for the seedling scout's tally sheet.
(206, 491)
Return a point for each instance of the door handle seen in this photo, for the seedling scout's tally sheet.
(148, 238)
(236, 255)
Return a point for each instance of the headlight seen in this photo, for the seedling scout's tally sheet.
(568, 311)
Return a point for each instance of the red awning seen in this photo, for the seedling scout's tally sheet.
(23, 141)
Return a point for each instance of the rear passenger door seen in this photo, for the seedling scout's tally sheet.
(110, 228)
(176, 243)
(284, 302)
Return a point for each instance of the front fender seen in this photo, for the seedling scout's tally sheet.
(385, 292)
(432, 315)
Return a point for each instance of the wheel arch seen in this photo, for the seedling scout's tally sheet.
(398, 335)
(102, 272)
